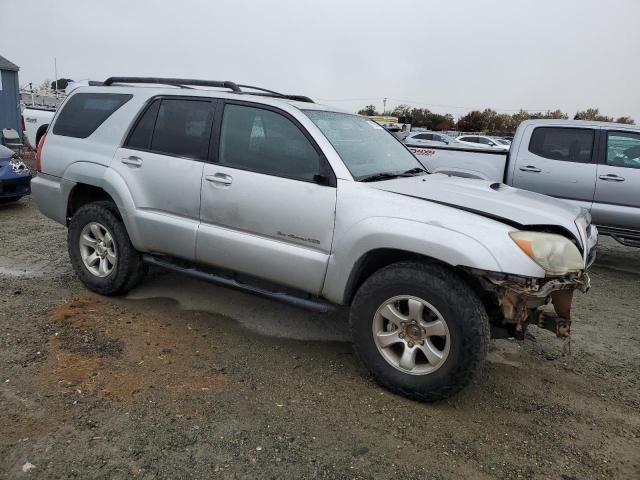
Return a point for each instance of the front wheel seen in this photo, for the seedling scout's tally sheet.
(420, 330)
(100, 250)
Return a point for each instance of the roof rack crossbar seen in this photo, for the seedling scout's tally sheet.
(184, 82)
(174, 82)
(299, 98)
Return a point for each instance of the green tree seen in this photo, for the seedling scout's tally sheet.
(592, 114)
(401, 111)
(369, 111)
(627, 120)
(61, 84)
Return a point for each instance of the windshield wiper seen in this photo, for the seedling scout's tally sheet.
(414, 171)
(379, 176)
(389, 175)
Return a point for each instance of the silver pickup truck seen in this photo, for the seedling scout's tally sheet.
(279, 196)
(594, 165)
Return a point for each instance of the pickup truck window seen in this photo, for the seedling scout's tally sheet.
(623, 149)
(263, 141)
(83, 113)
(561, 143)
(365, 147)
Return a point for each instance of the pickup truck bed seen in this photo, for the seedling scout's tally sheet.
(594, 165)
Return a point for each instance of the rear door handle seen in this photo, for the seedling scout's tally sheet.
(220, 179)
(132, 161)
(611, 178)
(530, 168)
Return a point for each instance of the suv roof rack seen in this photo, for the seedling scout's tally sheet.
(185, 82)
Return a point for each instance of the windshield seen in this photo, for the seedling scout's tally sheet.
(365, 147)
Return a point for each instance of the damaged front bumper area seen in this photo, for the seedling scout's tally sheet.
(545, 302)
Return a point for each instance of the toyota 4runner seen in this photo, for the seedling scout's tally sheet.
(277, 195)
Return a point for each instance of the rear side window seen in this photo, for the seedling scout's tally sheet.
(180, 127)
(424, 136)
(566, 144)
(141, 135)
(85, 112)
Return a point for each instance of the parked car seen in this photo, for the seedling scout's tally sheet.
(309, 205)
(429, 138)
(15, 177)
(593, 165)
(483, 141)
(36, 121)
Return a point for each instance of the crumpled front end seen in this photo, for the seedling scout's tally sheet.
(15, 178)
(543, 302)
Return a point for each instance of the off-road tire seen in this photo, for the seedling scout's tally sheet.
(461, 309)
(129, 269)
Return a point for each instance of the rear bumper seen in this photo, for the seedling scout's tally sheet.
(50, 194)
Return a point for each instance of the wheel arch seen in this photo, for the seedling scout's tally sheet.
(366, 249)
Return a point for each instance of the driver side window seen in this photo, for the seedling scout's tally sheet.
(623, 149)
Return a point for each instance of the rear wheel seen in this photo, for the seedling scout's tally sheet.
(100, 250)
(420, 330)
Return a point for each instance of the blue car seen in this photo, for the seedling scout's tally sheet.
(15, 177)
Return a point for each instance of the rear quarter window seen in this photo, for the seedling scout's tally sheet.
(85, 112)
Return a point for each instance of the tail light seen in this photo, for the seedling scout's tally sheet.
(22, 124)
(39, 153)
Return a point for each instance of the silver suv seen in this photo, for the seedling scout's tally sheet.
(299, 202)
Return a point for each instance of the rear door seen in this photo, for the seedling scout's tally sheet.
(161, 162)
(268, 198)
(617, 198)
(558, 161)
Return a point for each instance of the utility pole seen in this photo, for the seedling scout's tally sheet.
(55, 69)
(384, 106)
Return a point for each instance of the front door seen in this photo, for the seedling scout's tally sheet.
(617, 199)
(558, 161)
(162, 162)
(268, 199)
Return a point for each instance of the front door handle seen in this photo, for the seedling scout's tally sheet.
(132, 161)
(220, 179)
(530, 168)
(611, 178)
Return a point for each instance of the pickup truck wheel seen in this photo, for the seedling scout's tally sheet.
(100, 250)
(420, 330)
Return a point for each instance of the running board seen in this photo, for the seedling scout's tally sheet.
(629, 238)
(306, 303)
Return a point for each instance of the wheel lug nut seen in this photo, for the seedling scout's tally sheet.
(422, 342)
(410, 344)
(401, 335)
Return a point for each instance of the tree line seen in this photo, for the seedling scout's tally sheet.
(487, 120)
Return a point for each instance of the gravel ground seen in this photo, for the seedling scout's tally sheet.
(185, 380)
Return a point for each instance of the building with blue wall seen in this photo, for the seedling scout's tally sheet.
(9, 96)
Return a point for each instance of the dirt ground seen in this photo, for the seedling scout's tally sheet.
(185, 380)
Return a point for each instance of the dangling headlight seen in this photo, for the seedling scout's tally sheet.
(556, 254)
(18, 166)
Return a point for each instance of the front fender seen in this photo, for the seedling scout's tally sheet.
(432, 240)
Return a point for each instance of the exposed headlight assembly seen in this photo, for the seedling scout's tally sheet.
(18, 166)
(556, 254)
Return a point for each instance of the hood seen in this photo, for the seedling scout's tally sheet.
(513, 206)
(6, 153)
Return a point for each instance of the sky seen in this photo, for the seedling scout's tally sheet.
(447, 55)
